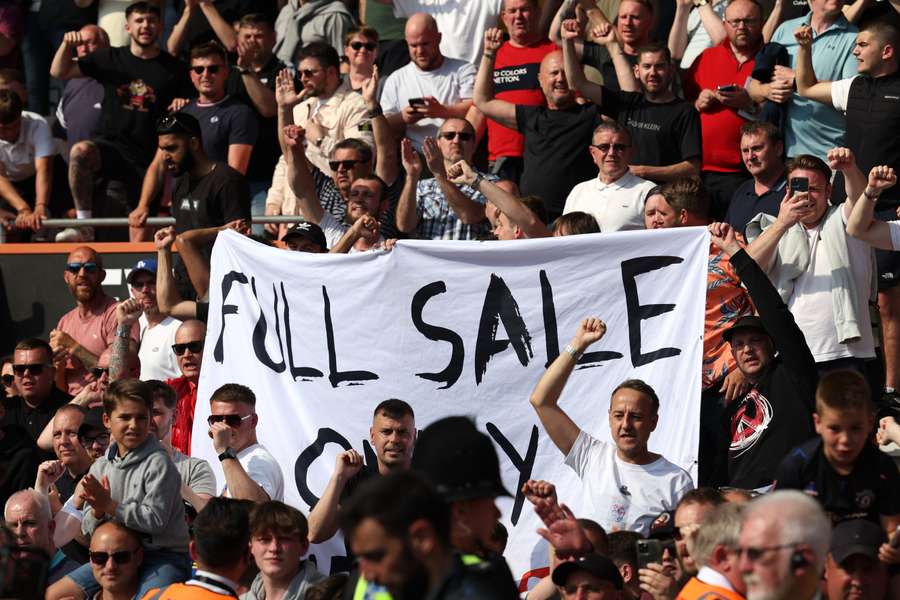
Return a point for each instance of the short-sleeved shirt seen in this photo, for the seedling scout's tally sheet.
(262, 468)
(450, 83)
(461, 24)
(625, 496)
(746, 203)
(137, 92)
(662, 133)
(870, 491)
(222, 124)
(516, 81)
(556, 156)
(158, 360)
(34, 141)
(812, 127)
(438, 221)
(80, 109)
(617, 206)
(217, 198)
(195, 473)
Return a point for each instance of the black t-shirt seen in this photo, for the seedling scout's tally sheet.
(66, 485)
(136, 93)
(596, 55)
(219, 197)
(222, 124)
(556, 151)
(746, 204)
(793, 9)
(872, 489)
(198, 30)
(60, 15)
(266, 152)
(19, 461)
(662, 133)
(364, 474)
(34, 420)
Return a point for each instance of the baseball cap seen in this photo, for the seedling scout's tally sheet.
(308, 231)
(594, 564)
(856, 536)
(745, 322)
(93, 421)
(145, 264)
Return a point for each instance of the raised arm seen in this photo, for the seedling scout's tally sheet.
(407, 215)
(804, 75)
(178, 35)
(190, 246)
(170, 301)
(571, 31)
(386, 165)
(323, 518)
(262, 97)
(545, 397)
(843, 160)
(861, 223)
(772, 22)
(499, 110)
(468, 211)
(222, 28)
(299, 175)
(678, 36)
(127, 314)
(64, 65)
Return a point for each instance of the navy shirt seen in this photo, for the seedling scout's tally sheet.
(746, 204)
(222, 124)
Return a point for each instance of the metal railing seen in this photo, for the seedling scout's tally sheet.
(155, 221)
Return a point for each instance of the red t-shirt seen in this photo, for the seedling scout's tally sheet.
(186, 399)
(516, 81)
(720, 126)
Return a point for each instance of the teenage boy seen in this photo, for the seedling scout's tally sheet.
(278, 540)
(137, 485)
(848, 475)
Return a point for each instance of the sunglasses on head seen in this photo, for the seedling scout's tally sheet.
(35, 369)
(213, 69)
(370, 46)
(122, 557)
(347, 164)
(76, 267)
(195, 347)
(8, 379)
(98, 372)
(464, 136)
(230, 420)
(172, 122)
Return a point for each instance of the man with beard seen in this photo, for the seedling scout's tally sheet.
(140, 82)
(188, 347)
(402, 541)
(393, 435)
(84, 332)
(38, 398)
(28, 517)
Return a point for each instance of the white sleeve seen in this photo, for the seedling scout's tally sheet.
(266, 472)
(582, 452)
(467, 76)
(407, 8)
(894, 228)
(840, 92)
(69, 509)
(390, 100)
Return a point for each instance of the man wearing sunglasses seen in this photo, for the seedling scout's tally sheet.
(116, 557)
(38, 398)
(157, 331)
(84, 332)
(188, 349)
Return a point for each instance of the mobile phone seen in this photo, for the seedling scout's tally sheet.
(648, 551)
(799, 184)
(731, 87)
(418, 102)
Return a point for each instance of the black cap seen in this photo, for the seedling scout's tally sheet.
(458, 460)
(308, 231)
(663, 526)
(93, 421)
(745, 322)
(856, 536)
(594, 564)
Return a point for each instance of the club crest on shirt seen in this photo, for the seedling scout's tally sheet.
(749, 422)
(617, 512)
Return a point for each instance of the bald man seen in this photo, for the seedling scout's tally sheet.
(188, 347)
(417, 98)
(27, 516)
(116, 555)
(557, 136)
(78, 112)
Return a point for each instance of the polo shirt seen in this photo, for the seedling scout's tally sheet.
(34, 141)
(813, 127)
(617, 206)
(746, 203)
(720, 125)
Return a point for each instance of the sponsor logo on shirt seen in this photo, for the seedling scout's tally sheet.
(214, 119)
(640, 125)
(189, 204)
(511, 75)
(749, 422)
(617, 512)
(136, 95)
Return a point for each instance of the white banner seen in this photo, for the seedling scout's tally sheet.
(455, 328)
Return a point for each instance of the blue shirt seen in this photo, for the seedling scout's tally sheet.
(812, 127)
(438, 221)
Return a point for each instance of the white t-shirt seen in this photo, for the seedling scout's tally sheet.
(698, 37)
(625, 496)
(35, 141)
(158, 361)
(840, 93)
(461, 23)
(262, 468)
(450, 83)
(811, 301)
(617, 206)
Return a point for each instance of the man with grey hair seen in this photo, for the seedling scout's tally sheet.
(715, 551)
(783, 544)
(27, 515)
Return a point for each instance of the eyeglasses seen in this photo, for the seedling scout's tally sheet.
(76, 267)
(213, 69)
(98, 372)
(605, 148)
(230, 420)
(754, 554)
(309, 72)
(738, 22)
(122, 557)
(347, 164)
(90, 440)
(370, 46)
(464, 136)
(35, 369)
(196, 347)
(8, 379)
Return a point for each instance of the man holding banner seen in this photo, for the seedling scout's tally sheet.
(627, 484)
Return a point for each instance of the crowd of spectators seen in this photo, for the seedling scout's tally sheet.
(774, 125)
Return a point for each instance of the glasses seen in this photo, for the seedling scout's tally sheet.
(605, 148)
(89, 440)
(196, 347)
(213, 69)
(754, 554)
(309, 72)
(370, 46)
(76, 267)
(8, 379)
(738, 22)
(464, 136)
(233, 421)
(99, 372)
(35, 369)
(347, 164)
(122, 557)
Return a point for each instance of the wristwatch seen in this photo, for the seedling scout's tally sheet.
(699, 3)
(245, 71)
(229, 453)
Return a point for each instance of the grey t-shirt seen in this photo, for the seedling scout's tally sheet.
(195, 473)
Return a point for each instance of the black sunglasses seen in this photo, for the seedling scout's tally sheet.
(606, 147)
(122, 557)
(75, 267)
(309, 72)
(347, 164)
(230, 420)
(211, 68)
(36, 369)
(98, 372)
(370, 46)
(464, 136)
(90, 440)
(8, 379)
(195, 347)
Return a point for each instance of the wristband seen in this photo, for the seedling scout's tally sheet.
(228, 454)
(245, 71)
(489, 55)
(571, 350)
(375, 112)
(478, 179)
(872, 197)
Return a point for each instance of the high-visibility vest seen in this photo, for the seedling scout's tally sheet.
(181, 591)
(697, 590)
(367, 591)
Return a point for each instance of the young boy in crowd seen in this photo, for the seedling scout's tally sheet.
(841, 467)
(137, 485)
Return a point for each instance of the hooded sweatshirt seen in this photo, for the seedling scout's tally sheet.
(307, 576)
(147, 487)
